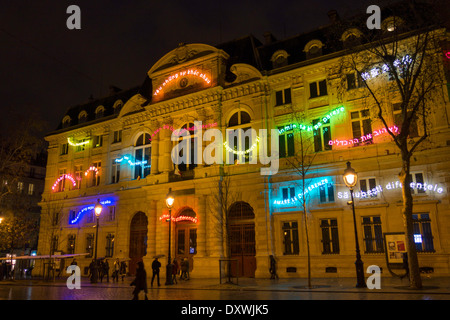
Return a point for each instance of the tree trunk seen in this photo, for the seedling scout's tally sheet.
(415, 280)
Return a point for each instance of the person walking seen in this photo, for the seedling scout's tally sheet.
(273, 268)
(155, 269)
(140, 282)
(123, 269)
(116, 270)
(175, 269)
(106, 269)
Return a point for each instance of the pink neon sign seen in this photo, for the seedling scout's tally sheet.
(180, 74)
(364, 138)
(179, 218)
(180, 131)
(63, 177)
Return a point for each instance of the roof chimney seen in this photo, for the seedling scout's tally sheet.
(269, 38)
(333, 16)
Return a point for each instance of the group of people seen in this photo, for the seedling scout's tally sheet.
(98, 269)
(176, 268)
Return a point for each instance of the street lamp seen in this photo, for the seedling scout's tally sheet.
(169, 203)
(350, 180)
(97, 210)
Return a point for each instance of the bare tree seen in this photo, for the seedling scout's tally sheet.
(402, 63)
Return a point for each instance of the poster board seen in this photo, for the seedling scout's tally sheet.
(395, 243)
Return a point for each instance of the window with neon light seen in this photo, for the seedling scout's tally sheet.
(326, 193)
(422, 232)
(361, 124)
(142, 156)
(239, 142)
(115, 171)
(366, 184)
(286, 142)
(78, 176)
(322, 135)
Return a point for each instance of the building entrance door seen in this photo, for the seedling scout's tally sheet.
(242, 239)
(186, 237)
(138, 240)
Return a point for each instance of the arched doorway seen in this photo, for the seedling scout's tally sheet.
(138, 240)
(241, 234)
(186, 236)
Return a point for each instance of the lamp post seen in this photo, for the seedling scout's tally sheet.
(350, 180)
(169, 203)
(97, 210)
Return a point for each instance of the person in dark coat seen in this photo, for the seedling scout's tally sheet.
(106, 269)
(273, 268)
(155, 269)
(140, 282)
(175, 269)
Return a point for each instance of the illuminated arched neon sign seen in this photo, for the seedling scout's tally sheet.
(93, 169)
(88, 208)
(192, 72)
(166, 217)
(63, 177)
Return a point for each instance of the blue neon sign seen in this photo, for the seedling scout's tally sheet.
(88, 208)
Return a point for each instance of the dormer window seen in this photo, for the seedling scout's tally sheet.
(279, 59)
(391, 24)
(99, 112)
(313, 49)
(82, 117)
(117, 107)
(351, 37)
(66, 122)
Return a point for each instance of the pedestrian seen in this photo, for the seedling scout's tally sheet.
(174, 270)
(273, 268)
(140, 282)
(155, 269)
(101, 272)
(93, 271)
(184, 269)
(116, 270)
(74, 262)
(123, 269)
(106, 269)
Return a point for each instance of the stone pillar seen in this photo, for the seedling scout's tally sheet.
(155, 147)
(201, 226)
(165, 147)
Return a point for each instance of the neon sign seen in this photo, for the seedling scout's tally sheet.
(88, 208)
(227, 147)
(93, 169)
(297, 198)
(325, 119)
(179, 218)
(130, 161)
(364, 138)
(63, 177)
(376, 71)
(175, 76)
(391, 186)
(76, 144)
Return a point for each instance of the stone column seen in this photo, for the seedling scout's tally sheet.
(165, 147)
(201, 226)
(155, 125)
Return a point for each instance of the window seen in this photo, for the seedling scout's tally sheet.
(361, 124)
(240, 141)
(81, 146)
(62, 182)
(95, 175)
(286, 144)
(115, 172)
(97, 141)
(326, 193)
(71, 244)
(99, 112)
(64, 149)
(373, 235)
(111, 213)
(117, 136)
(398, 120)
(109, 252)
(189, 142)
(423, 237)
(330, 236)
(20, 187)
(66, 122)
(30, 189)
(142, 155)
(82, 117)
(72, 215)
(283, 97)
(322, 136)
(78, 176)
(318, 89)
(290, 237)
(54, 244)
(90, 244)
(288, 193)
(354, 81)
(417, 179)
(369, 187)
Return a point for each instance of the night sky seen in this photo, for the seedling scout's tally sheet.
(47, 68)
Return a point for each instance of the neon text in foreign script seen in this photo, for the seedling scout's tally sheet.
(364, 138)
(175, 76)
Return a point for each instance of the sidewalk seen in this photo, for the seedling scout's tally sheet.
(431, 285)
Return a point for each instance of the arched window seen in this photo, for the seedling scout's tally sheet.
(99, 112)
(240, 138)
(313, 49)
(188, 145)
(82, 117)
(66, 122)
(142, 156)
